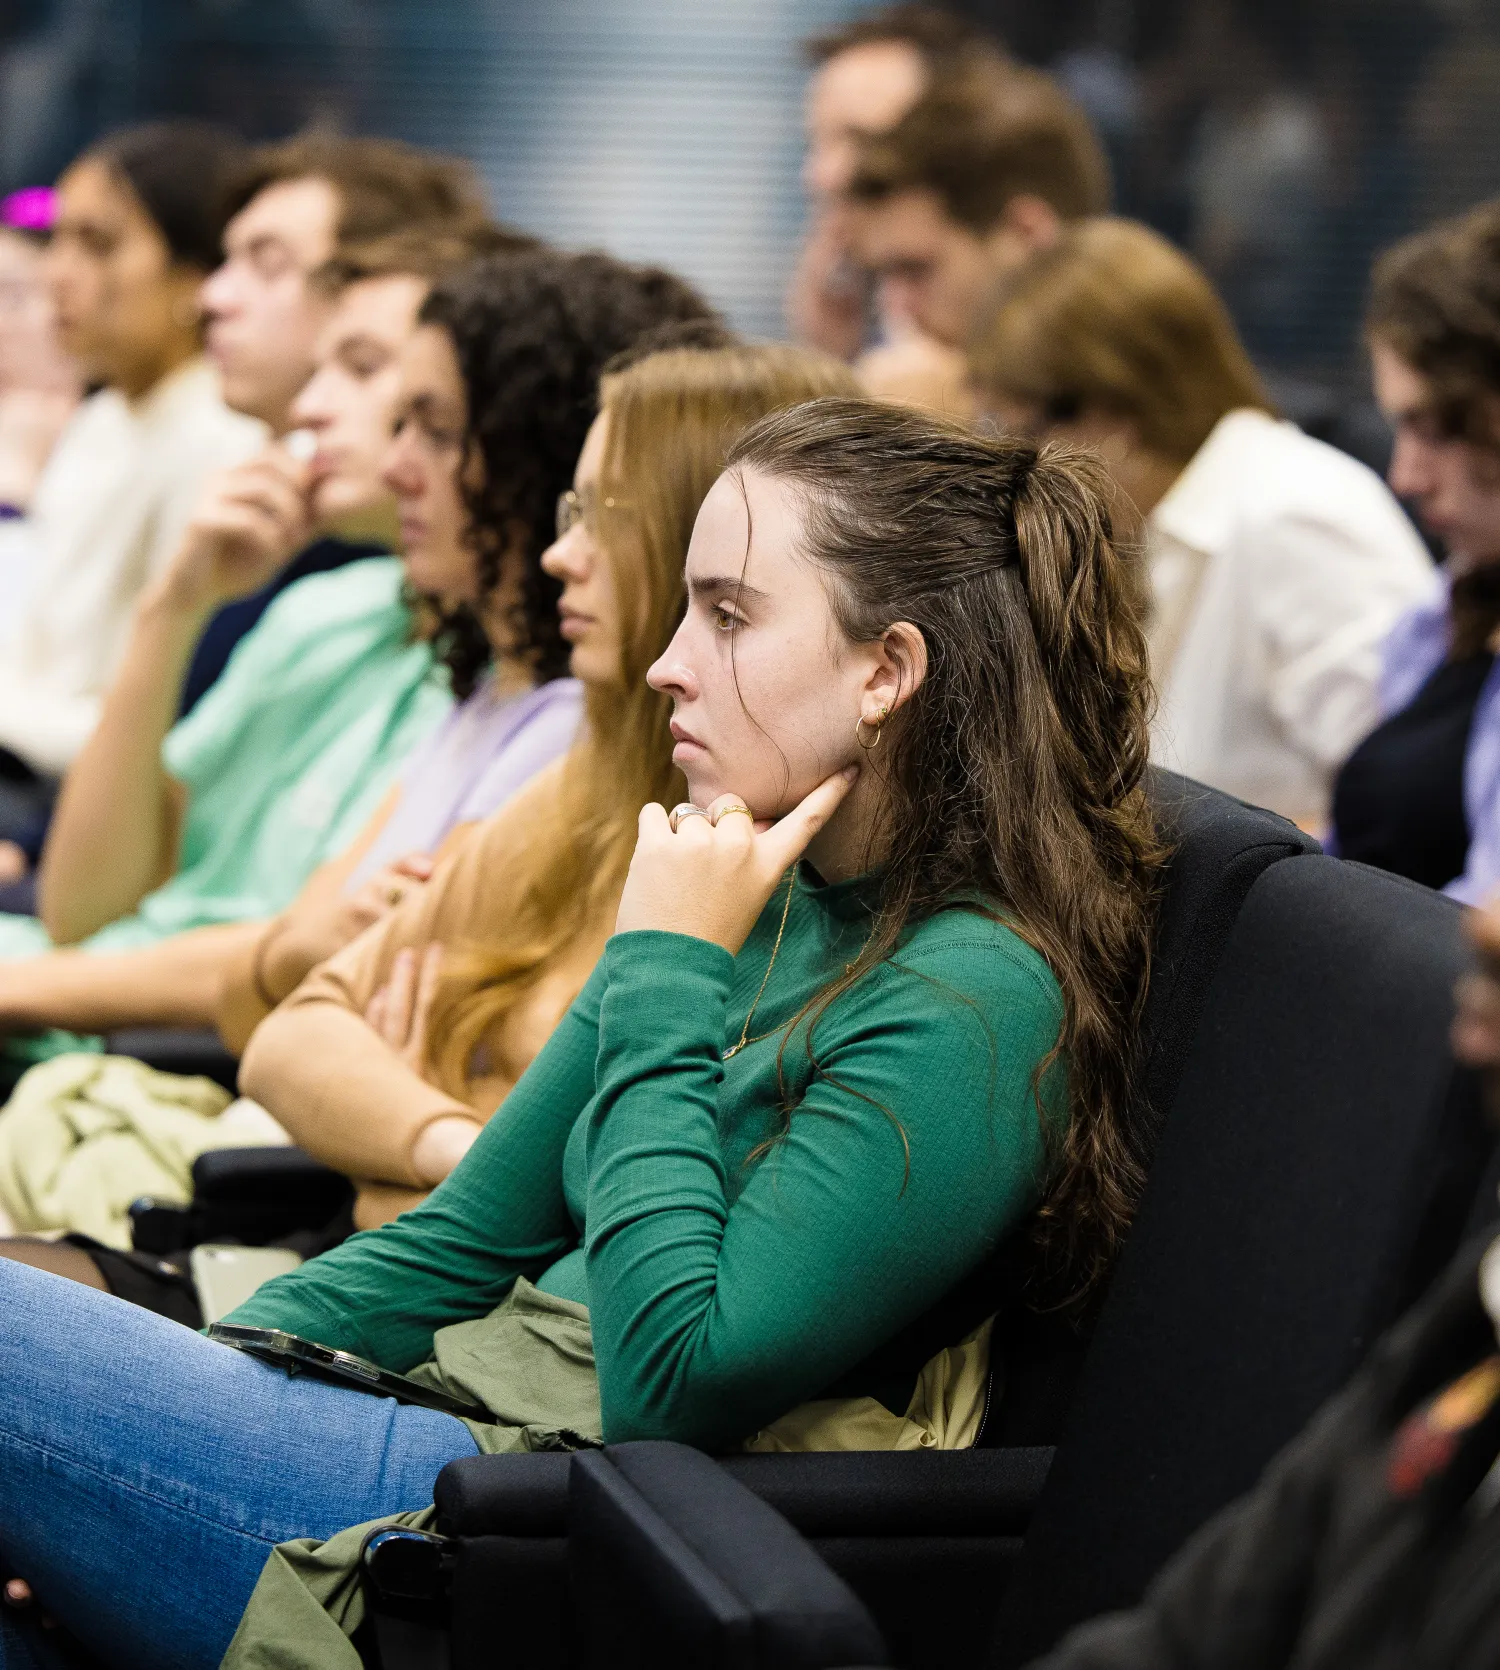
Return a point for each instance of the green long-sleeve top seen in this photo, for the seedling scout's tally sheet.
(726, 1283)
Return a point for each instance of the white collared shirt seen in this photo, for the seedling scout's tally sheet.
(1277, 567)
(108, 513)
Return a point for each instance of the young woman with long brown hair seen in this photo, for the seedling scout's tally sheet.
(388, 1060)
(868, 1010)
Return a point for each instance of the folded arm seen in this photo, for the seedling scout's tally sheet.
(168, 984)
(319, 1066)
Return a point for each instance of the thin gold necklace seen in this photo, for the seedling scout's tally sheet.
(745, 1038)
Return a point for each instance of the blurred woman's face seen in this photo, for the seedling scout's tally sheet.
(424, 467)
(30, 356)
(589, 606)
(125, 311)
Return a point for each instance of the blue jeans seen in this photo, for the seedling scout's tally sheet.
(146, 1473)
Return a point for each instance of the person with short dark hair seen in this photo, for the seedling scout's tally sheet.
(1421, 794)
(138, 223)
(983, 170)
(293, 207)
(290, 206)
(866, 75)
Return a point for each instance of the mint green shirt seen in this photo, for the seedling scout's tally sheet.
(725, 1286)
(286, 756)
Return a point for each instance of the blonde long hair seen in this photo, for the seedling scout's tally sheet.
(671, 419)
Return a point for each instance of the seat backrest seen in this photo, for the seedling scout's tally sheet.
(1300, 1190)
(1219, 846)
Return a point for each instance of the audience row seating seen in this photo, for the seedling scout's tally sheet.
(1316, 1165)
(1320, 1161)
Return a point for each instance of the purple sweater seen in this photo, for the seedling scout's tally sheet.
(477, 758)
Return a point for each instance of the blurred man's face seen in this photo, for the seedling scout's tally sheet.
(262, 319)
(937, 272)
(1452, 485)
(931, 270)
(350, 401)
(863, 91)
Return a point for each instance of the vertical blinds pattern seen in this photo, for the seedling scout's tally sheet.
(668, 131)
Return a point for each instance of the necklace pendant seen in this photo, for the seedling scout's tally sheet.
(734, 1049)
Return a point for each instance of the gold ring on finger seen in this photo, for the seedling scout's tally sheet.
(684, 809)
(724, 811)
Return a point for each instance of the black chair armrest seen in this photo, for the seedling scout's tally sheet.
(672, 1561)
(249, 1195)
(949, 1493)
(178, 1050)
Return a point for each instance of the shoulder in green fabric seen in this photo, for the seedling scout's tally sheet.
(358, 605)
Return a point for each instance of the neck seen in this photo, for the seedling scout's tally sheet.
(849, 844)
(372, 524)
(137, 381)
(511, 674)
(1150, 479)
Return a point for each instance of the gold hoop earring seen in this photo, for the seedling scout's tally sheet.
(878, 728)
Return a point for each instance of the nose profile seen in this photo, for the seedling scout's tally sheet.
(1410, 471)
(568, 558)
(399, 469)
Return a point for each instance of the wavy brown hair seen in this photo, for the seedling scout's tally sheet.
(1014, 771)
(671, 418)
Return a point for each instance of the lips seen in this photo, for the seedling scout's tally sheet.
(572, 623)
(683, 736)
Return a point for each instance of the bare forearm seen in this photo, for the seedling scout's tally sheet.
(343, 1094)
(171, 984)
(240, 1007)
(114, 833)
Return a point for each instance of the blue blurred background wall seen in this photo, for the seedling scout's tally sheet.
(664, 130)
(1282, 141)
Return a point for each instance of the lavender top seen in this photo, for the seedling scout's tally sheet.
(1413, 653)
(478, 757)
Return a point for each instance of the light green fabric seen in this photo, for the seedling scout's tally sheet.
(84, 1135)
(530, 1363)
(284, 759)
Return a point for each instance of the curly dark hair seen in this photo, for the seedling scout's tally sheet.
(533, 332)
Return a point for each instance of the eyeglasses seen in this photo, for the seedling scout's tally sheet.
(574, 507)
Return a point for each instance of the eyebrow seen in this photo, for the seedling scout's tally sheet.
(737, 587)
